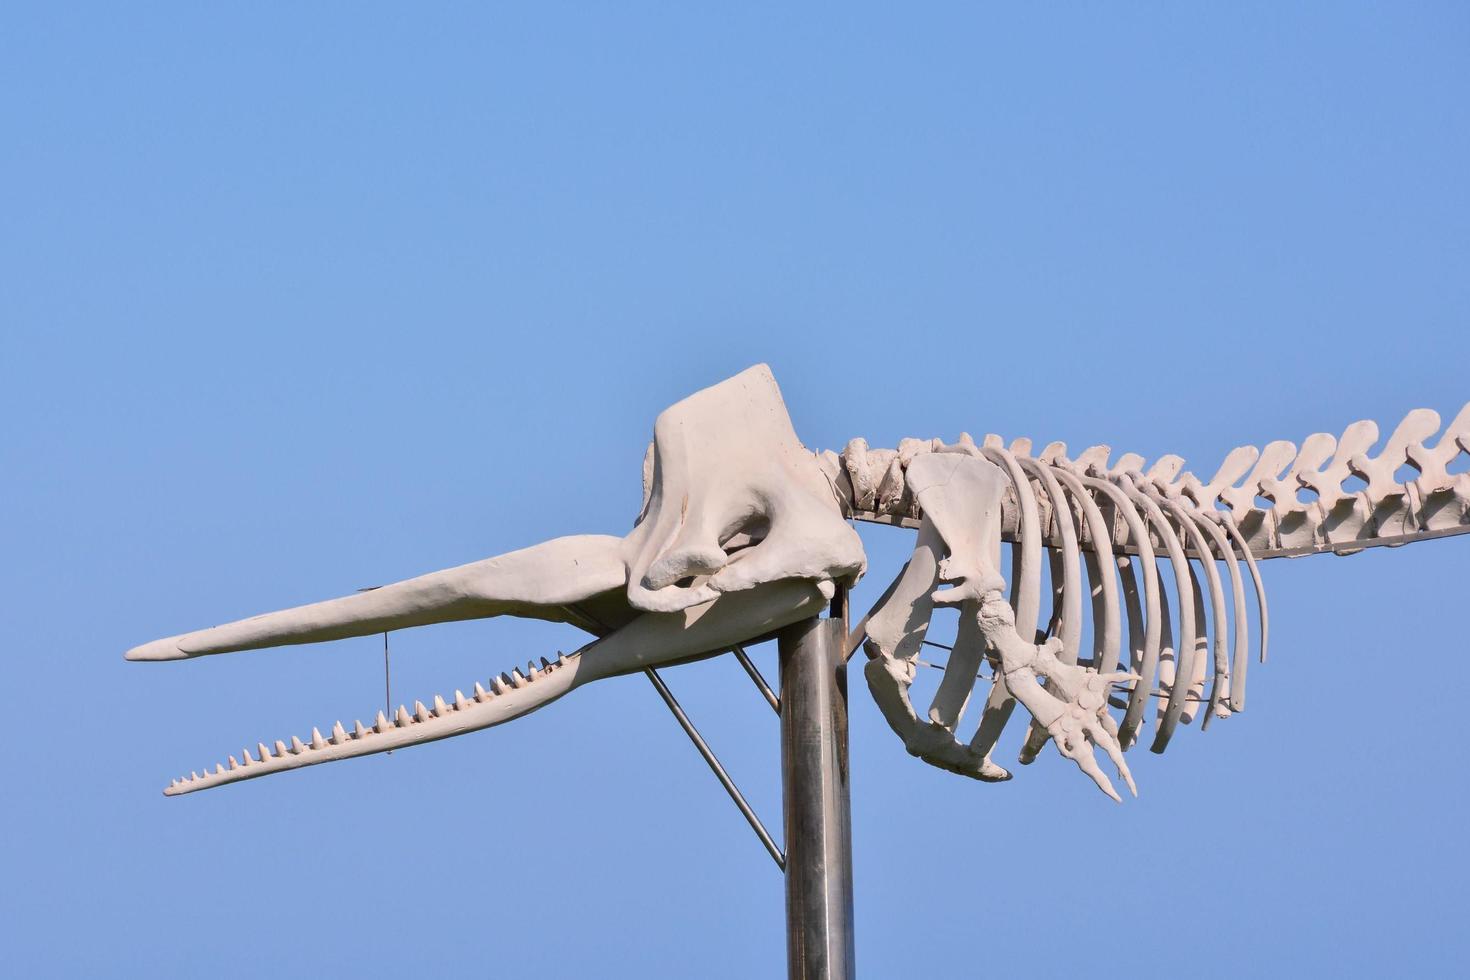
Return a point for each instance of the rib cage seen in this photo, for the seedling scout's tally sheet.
(1141, 517)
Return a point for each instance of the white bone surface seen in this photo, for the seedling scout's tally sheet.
(960, 495)
(896, 629)
(726, 461)
(743, 531)
(1340, 520)
(1160, 512)
(1146, 637)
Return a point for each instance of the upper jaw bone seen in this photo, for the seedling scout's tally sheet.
(535, 582)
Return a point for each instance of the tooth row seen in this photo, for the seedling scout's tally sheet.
(1339, 518)
(401, 719)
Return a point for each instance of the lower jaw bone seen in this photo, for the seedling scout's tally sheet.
(446, 720)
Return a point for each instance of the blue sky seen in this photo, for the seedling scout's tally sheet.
(300, 300)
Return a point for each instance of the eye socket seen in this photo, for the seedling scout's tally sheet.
(748, 533)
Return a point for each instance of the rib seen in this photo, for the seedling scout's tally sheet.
(1025, 591)
(1184, 653)
(1224, 669)
(1102, 572)
(1155, 609)
(1217, 606)
(1066, 622)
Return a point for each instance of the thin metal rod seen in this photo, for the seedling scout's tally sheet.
(716, 768)
(755, 675)
(818, 809)
(387, 679)
(978, 675)
(387, 685)
(1161, 693)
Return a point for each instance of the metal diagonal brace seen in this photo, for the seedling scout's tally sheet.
(592, 625)
(716, 768)
(755, 675)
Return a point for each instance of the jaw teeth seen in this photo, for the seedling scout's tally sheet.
(499, 685)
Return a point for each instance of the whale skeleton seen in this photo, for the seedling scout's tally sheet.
(743, 532)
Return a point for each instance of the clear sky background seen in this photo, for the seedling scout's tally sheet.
(295, 301)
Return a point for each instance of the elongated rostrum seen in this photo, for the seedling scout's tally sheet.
(743, 531)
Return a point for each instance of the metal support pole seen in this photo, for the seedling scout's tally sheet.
(819, 930)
